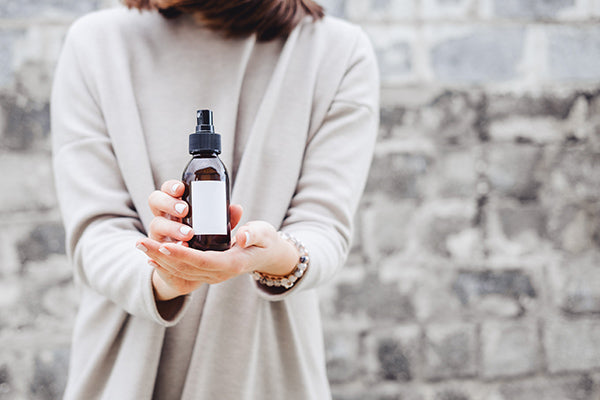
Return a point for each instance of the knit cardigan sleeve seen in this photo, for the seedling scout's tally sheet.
(337, 158)
(101, 222)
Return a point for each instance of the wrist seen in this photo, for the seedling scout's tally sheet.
(162, 291)
(288, 258)
(288, 278)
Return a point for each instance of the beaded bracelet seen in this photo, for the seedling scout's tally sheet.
(286, 281)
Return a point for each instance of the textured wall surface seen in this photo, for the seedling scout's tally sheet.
(475, 269)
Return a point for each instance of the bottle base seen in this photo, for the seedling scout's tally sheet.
(210, 242)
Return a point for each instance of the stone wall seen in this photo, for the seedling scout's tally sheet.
(475, 269)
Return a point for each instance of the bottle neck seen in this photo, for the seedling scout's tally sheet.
(205, 154)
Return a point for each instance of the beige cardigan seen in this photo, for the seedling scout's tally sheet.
(298, 119)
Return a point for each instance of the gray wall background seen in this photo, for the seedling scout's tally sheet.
(475, 270)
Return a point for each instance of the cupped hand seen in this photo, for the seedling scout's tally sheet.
(165, 227)
(179, 270)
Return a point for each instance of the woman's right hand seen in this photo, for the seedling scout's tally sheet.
(165, 227)
(168, 210)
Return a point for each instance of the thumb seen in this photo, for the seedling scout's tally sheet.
(256, 233)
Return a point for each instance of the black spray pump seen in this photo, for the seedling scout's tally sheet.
(205, 138)
(207, 188)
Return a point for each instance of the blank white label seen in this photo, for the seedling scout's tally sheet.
(209, 208)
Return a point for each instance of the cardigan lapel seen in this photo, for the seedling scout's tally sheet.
(247, 185)
(124, 126)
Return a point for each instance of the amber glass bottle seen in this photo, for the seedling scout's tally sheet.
(207, 188)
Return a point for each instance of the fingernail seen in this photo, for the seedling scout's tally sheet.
(180, 208)
(185, 229)
(164, 250)
(180, 242)
(247, 238)
(141, 247)
(175, 187)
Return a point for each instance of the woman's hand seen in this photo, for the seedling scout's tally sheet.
(179, 270)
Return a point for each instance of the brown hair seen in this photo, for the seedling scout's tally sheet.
(269, 19)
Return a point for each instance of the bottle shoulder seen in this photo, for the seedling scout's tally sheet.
(205, 166)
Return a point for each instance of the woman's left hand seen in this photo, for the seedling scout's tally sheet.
(256, 247)
(179, 270)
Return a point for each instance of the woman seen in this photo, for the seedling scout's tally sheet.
(295, 98)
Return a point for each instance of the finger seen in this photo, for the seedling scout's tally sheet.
(176, 273)
(191, 264)
(167, 276)
(162, 228)
(180, 255)
(188, 264)
(222, 263)
(173, 187)
(172, 265)
(255, 233)
(235, 214)
(162, 204)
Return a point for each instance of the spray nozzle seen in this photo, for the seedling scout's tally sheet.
(204, 120)
(205, 138)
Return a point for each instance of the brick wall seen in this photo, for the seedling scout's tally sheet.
(475, 269)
